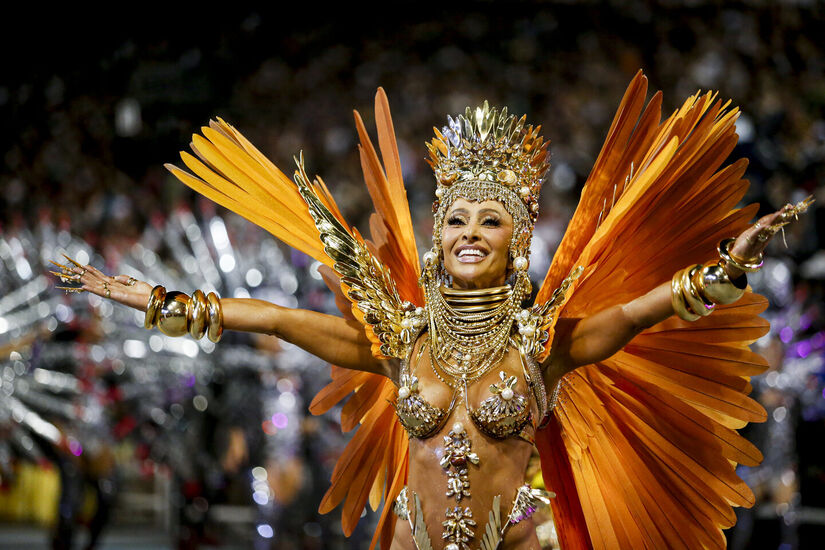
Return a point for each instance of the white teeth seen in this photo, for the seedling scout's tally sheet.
(471, 252)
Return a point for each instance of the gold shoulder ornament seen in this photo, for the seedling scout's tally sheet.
(364, 279)
(533, 323)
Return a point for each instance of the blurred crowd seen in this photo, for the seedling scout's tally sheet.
(89, 127)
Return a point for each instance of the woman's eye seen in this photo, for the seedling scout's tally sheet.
(455, 221)
(491, 222)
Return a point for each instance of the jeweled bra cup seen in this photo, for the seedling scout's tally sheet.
(418, 417)
(502, 415)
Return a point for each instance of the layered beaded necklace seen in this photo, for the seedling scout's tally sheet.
(470, 329)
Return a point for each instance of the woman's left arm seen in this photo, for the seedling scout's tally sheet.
(591, 339)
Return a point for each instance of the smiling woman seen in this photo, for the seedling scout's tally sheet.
(475, 244)
(455, 378)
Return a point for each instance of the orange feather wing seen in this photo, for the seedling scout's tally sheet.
(228, 169)
(374, 464)
(641, 448)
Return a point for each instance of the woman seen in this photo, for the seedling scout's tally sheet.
(470, 375)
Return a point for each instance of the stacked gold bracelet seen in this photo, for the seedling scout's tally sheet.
(696, 290)
(176, 313)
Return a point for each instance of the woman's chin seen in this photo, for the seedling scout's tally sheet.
(470, 278)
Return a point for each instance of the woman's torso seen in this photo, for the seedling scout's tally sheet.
(501, 462)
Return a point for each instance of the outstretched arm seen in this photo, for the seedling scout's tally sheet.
(588, 340)
(333, 339)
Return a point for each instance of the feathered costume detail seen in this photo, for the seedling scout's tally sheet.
(376, 276)
(641, 448)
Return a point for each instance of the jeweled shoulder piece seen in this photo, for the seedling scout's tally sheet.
(364, 278)
(533, 322)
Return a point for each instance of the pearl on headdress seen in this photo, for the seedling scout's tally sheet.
(507, 177)
(429, 258)
(524, 192)
(520, 263)
(439, 191)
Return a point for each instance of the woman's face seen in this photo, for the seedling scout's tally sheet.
(475, 242)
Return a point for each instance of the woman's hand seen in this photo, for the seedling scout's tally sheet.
(120, 288)
(751, 243)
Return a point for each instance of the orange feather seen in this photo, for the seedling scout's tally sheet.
(647, 437)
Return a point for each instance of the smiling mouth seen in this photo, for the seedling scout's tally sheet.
(471, 255)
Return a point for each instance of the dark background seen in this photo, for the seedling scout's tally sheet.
(94, 102)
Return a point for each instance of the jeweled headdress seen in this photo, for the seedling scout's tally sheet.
(488, 154)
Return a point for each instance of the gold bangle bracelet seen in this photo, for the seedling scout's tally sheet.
(196, 319)
(677, 298)
(175, 313)
(691, 293)
(156, 299)
(715, 286)
(215, 325)
(172, 317)
(748, 266)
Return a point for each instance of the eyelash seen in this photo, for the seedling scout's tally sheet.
(490, 222)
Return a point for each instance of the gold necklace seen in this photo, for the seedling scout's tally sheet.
(470, 329)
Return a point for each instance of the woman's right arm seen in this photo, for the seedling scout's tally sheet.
(333, 339)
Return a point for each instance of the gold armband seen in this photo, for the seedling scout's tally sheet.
(684, 297)
(176, 313)
(715, 286)
(172, 317)
(697, 302)
(695, 291)
(748, 266)
(215, 328)
(156, 299)
(196, 315)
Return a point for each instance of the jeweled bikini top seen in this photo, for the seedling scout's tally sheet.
(504, 414)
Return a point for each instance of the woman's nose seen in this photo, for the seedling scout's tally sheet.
(471, 232)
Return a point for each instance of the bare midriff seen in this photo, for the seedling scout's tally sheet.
(500, 470)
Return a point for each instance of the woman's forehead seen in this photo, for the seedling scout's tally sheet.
(472, 206)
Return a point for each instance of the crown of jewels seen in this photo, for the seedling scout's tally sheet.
(490, 145)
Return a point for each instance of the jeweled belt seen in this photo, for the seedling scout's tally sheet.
(459, 527)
